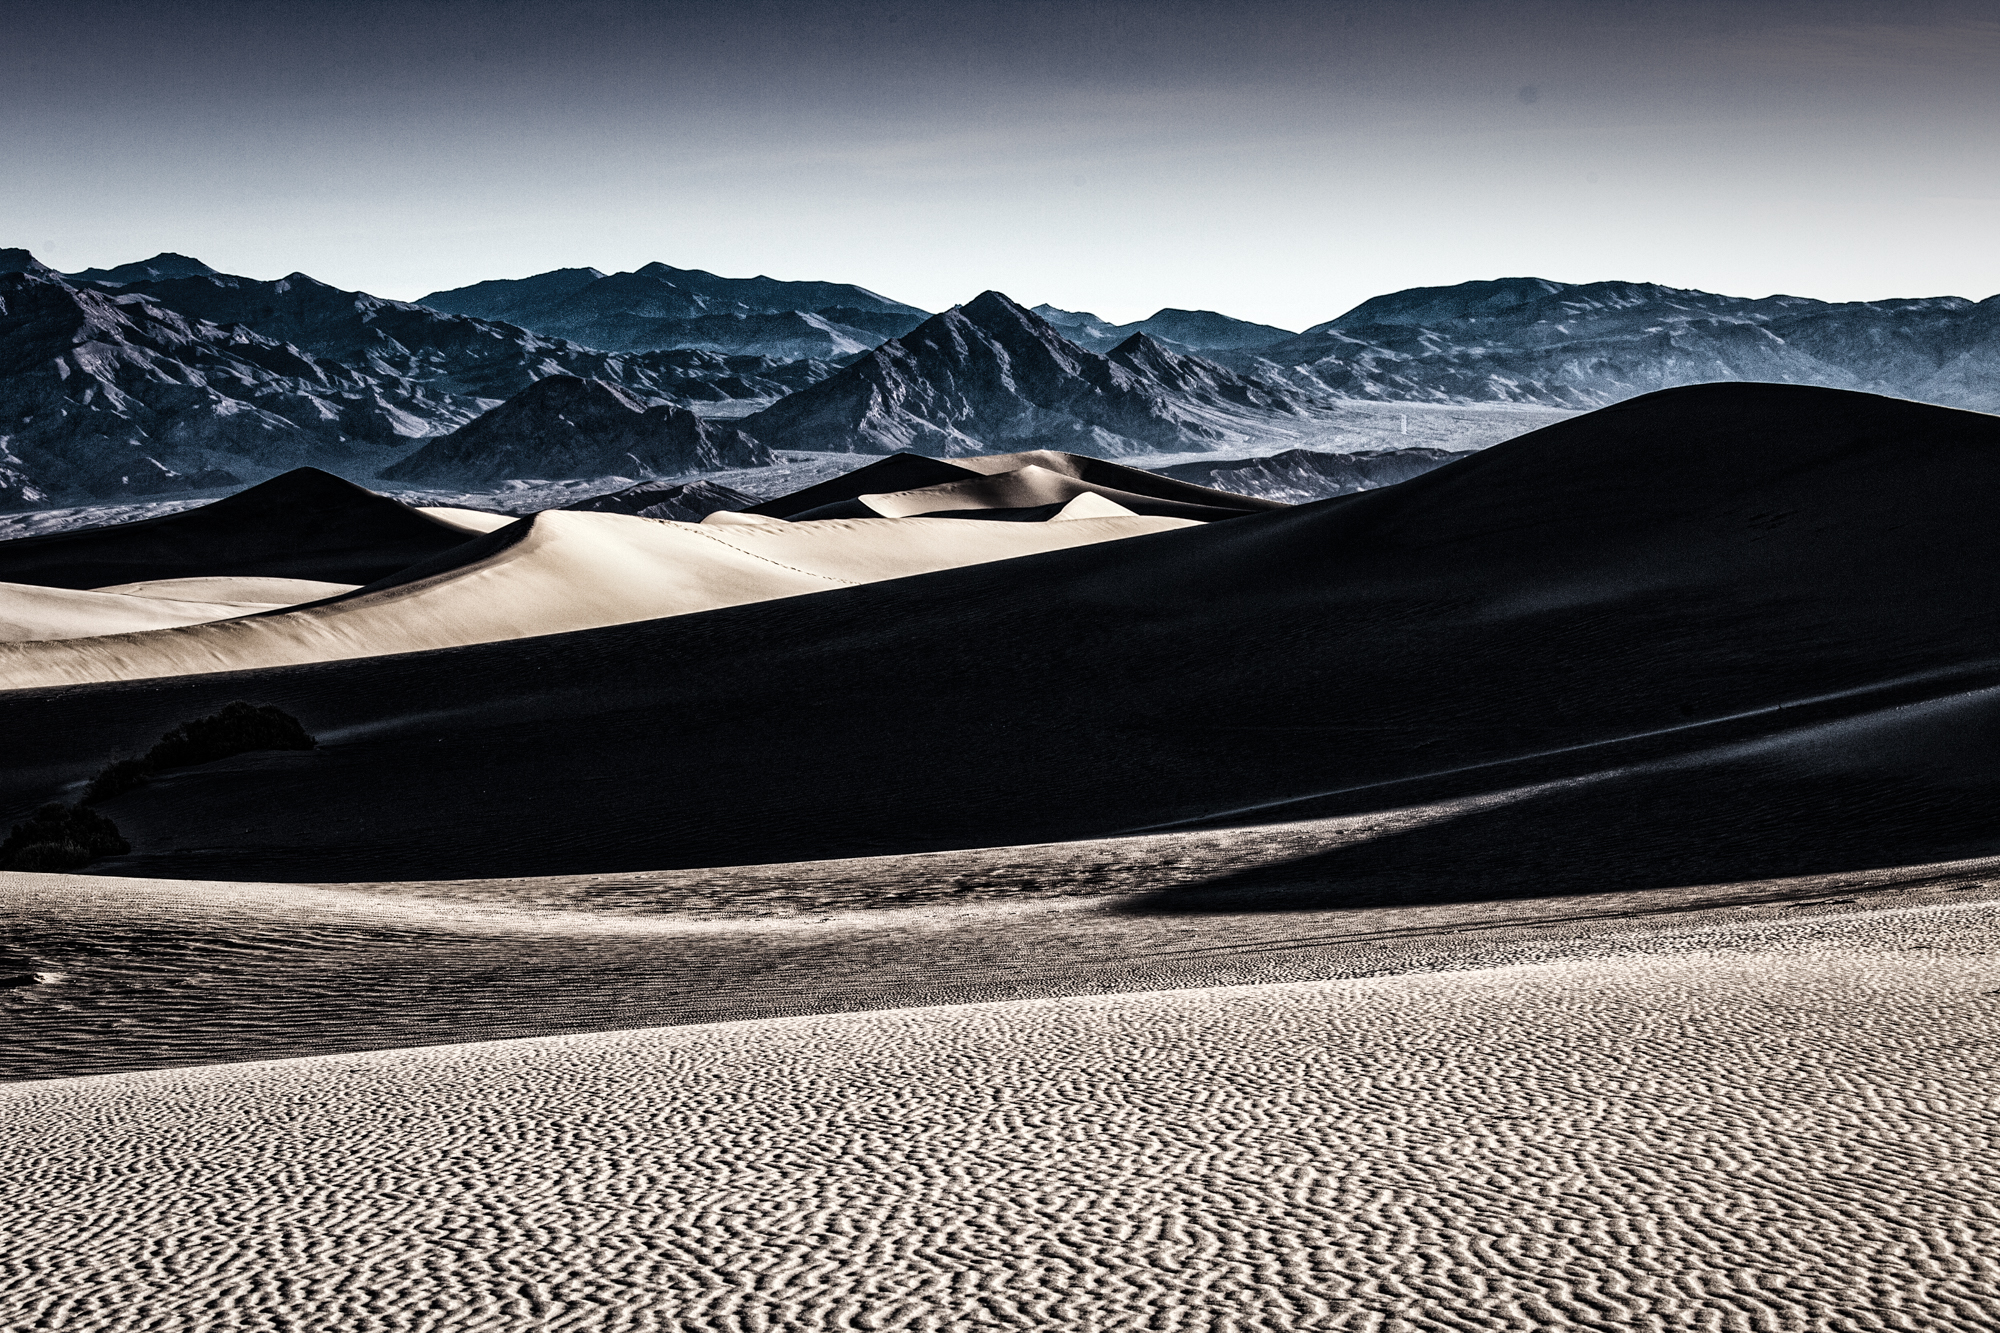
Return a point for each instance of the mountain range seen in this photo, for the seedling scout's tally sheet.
(994, 377)
(143, 385)
(1529, 340)
(563, 426)
(1182, 330)
(165, 375)
(659, 306)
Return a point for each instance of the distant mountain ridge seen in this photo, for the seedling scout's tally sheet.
(161, 384)
(659, 306)
(992, 377)
(1181, 330)
(1531, 340)
(562, 426)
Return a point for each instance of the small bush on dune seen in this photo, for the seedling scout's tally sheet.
(69, 837)
(60, 837)
(122, 776)
(238, 729)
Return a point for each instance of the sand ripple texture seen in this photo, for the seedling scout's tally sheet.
(1732, 1138)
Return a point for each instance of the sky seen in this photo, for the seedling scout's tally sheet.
(1277, 161)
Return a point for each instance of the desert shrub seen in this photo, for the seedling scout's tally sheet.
(238, 729)
(60, 837)
(51, 856)
(122, 776)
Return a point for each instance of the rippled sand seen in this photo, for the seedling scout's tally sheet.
(1765, 1126)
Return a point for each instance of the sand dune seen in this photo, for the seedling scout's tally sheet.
(557, 572)
(1721, 612)
(465, 520)
(1030, 486)
(306, 524)
(1751, 1127)
(901, 473)
(29, 613)
(103, 974)
(271, 592)
(34, 614)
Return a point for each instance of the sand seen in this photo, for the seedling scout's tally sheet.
(1026, 488)
(106, 974)
(305, 524)
(1764, 1127)
(558, 572)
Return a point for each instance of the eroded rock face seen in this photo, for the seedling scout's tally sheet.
(563, 426)
(1529, 340)
(1299, 476)
(682, 502)
(139, 385)
(992, 377)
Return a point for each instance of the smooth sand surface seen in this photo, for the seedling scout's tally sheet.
(909, 472)
(561, 571)
(1024, 487)
(31, 614)
(1754, 1127)
(306, 524)
(239, 588)
(465, 520)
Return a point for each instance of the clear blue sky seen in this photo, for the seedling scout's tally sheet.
(1276, 161)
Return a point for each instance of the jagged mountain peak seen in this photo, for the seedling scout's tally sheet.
(992, 376)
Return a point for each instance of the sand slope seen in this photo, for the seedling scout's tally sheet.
(33, 614)
(306, 524)
(1029, 486)
(30, 613)
(556, 572)
(1724, 612)
(103, 974)
(1762, 1129)
(910, 472)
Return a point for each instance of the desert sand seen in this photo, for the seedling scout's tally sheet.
(1738, 1127)
(557, 572)
(30, 614)
(1553, 892)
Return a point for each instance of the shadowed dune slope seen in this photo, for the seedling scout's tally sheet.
(553, 573)
(306, 524)
(910, 472)
(1028, 487)
(1117, 476)
(1733, 625)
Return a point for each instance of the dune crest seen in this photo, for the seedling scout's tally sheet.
(560, 571)
(30, 614)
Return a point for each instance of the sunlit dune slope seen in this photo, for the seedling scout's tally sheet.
(1743, 630)
(29, 612)
(32, 614)
(239, 588)
(306, 524)
(556, 572)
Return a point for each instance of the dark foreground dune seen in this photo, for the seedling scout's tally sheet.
(306, 524)
(1742, 628)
